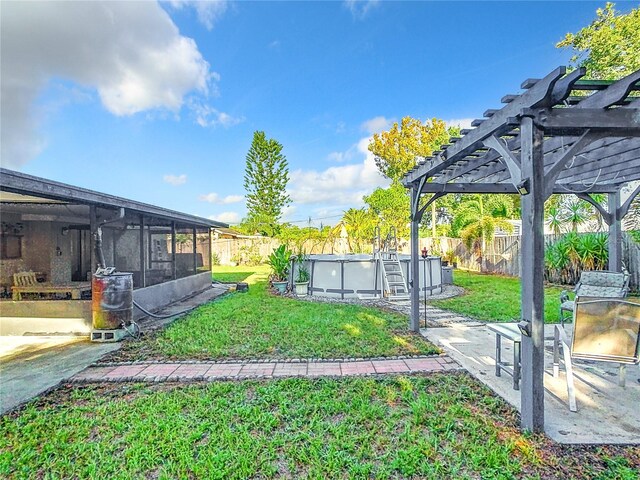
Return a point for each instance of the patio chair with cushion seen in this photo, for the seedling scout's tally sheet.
(596, 283)
(604, 330)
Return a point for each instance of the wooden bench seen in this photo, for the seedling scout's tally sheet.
(510, 331)
(26, 282)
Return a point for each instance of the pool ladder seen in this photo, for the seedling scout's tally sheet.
(393, 279)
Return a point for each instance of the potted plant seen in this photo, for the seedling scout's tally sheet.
(279, 261)
(450, 258)
(302, 279)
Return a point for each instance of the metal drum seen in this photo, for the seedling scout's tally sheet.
(112, 300)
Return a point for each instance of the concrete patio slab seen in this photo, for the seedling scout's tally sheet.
(607, 413)
(31, 365)
(36, 369)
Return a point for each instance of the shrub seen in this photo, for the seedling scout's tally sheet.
(567, 257)
(279, 261)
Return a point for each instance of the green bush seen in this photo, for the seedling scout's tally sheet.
(567, 257)
(279, 261)
(248, 255)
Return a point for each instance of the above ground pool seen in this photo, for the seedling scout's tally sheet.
(360, 275)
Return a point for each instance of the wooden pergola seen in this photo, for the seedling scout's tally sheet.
(562, 135)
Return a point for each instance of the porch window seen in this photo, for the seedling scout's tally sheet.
(10, 246)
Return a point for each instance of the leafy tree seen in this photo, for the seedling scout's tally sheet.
(609, 47)
(265, 180)
(392, 206)
(300, 239)
(396, 152)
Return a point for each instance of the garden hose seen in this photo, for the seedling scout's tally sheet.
(154, 315)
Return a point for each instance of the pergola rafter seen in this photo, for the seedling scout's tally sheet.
(562, 135)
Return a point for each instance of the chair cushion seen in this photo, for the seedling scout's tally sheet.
(600, 291)
(603, 279)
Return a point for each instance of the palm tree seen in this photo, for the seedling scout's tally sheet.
(577, 213)
(359, 224)
(554, 217)
(477, 219)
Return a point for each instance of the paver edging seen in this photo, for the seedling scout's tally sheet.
(246, 361)
(206, 379)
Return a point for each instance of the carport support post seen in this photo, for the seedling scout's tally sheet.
(143, 267)
(174, 271)
(210, 253)
(615, 233)
(195, 252)
(415, 273)
(93, 228)
(532, 293)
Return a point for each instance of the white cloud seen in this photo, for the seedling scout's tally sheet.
(175, 179)
(215, 198)
(274, 44)
(232, 199)
(460, 122)
(360, 8)
(208, 11)
(210, 197)
(226, 217)
(341, 185)
(130, 53)
(207, 116)
(376, 124)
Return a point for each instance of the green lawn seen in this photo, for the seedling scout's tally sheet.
(495, 298)
(258, 324)
(437, 426)
(228, 274)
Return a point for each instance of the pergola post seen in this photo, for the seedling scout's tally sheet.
(615, 233)
(532, 294)
(414, 322)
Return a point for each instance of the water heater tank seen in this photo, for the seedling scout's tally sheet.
(112, 300)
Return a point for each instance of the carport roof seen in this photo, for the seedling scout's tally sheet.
(23, 184)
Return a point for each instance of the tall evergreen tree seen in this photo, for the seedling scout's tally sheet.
(265, 181)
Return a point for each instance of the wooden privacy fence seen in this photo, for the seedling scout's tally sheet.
(502, 255)
(231, 251)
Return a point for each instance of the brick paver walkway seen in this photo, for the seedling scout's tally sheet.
(208, 371)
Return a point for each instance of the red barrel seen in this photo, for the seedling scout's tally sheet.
(112, 300)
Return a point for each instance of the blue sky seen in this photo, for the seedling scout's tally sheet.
(159, 102)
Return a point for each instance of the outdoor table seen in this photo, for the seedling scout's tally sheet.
(511, 332)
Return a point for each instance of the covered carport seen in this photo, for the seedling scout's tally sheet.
(563, 135)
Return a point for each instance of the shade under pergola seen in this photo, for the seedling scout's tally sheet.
(562, 135)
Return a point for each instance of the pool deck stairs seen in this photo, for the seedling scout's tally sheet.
(394, 279)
